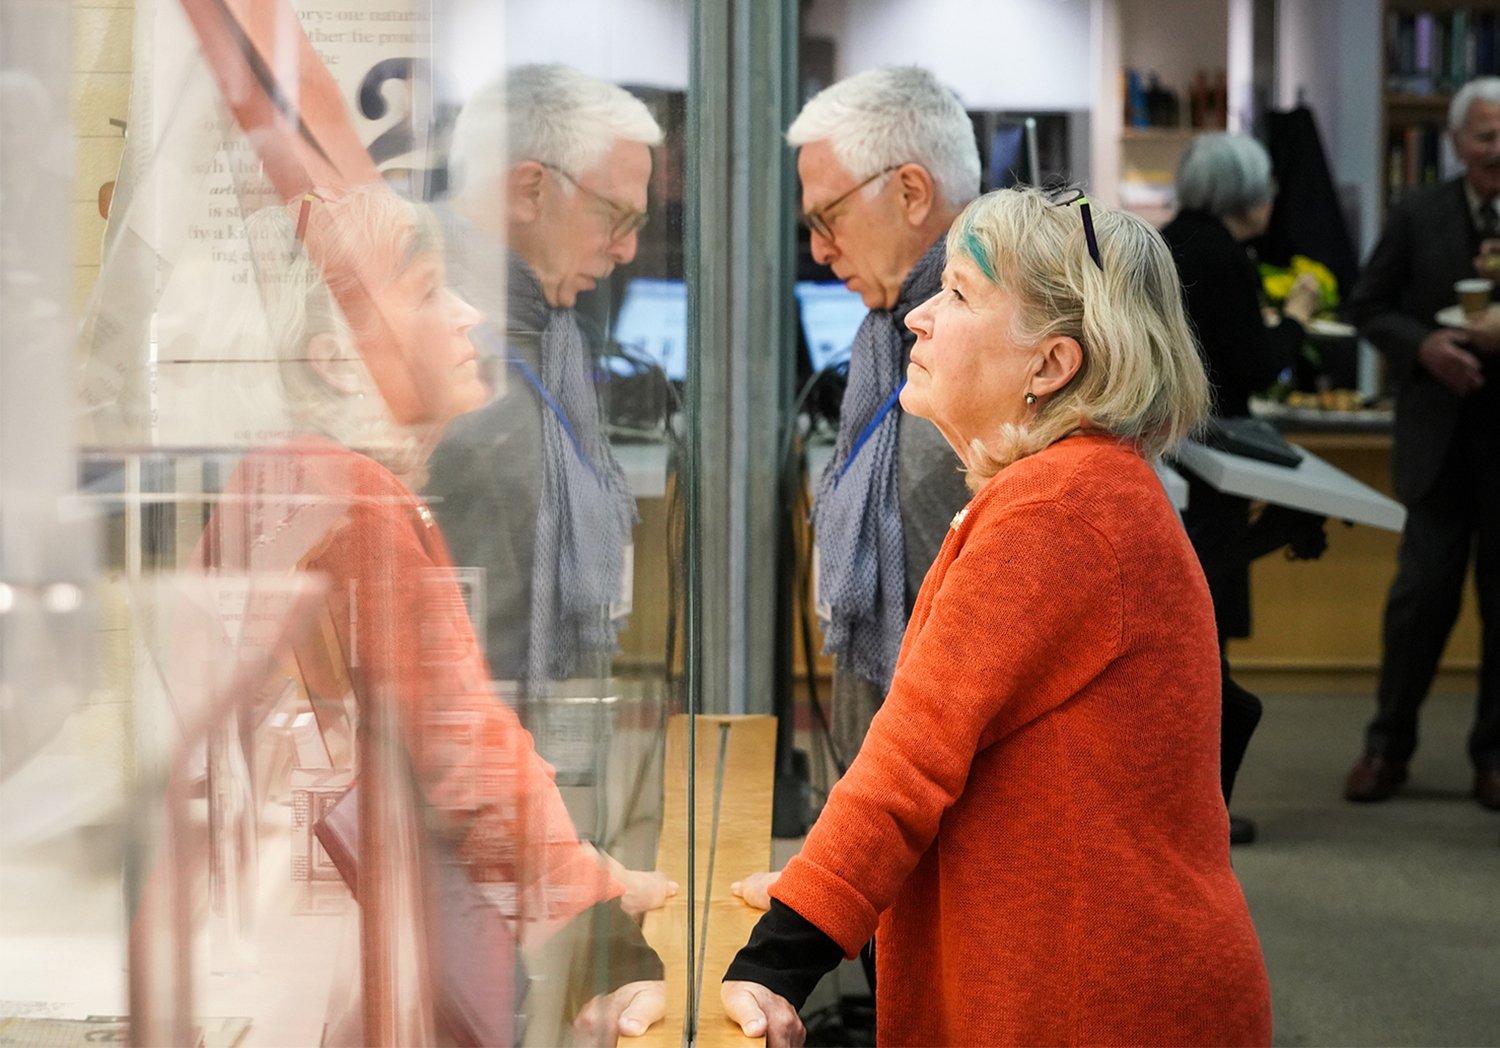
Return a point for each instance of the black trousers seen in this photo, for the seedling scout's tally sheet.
(1240, 714)
(1218, 526)
(1458, 519)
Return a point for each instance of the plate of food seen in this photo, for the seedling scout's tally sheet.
(1455, 317)
(1330, 328)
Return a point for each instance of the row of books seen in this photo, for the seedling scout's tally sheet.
(1413, 158)
(1436, 52)
(1201, 104)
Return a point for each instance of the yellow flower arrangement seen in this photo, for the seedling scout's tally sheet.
(1277, 281)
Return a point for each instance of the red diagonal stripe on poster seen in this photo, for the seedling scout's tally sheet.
(281, 94)
(291, 108)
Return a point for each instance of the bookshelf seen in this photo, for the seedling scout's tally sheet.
(1431, 48)
(1181, 45)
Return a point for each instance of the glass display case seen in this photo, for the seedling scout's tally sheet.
(373, 656)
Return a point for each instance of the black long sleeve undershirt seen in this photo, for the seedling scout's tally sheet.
(787, 954)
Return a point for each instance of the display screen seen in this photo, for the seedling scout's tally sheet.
(653, 324)
(831, 314)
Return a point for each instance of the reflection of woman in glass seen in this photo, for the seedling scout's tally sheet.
(1033, 829)
(371, 388)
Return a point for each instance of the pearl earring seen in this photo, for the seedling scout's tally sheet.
(1030, 397)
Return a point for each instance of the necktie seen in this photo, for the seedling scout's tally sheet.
(1487, 221)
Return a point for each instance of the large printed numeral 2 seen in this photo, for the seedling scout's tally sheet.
(399, 138)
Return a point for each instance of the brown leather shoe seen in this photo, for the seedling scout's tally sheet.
(1374, 778)
(1487, 788)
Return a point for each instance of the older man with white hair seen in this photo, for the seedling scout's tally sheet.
(551, 170)
(887, 159)
(1446, 462)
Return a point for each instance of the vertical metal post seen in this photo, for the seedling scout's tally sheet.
(705, 209)
(740, 266)
(765, 104)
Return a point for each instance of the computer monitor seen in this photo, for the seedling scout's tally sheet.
(831, 314)
(653, 324)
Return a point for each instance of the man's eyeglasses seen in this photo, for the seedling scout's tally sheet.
(817, 218)
(623, 220)
(1077, 197)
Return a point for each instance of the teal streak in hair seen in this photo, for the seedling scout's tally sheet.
(975, 250)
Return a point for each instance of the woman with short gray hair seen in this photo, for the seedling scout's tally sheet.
(1225, 191)
(1225, 175)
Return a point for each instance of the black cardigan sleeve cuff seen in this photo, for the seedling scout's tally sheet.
(787, 954)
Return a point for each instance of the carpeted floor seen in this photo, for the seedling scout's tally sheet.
(1380, 923)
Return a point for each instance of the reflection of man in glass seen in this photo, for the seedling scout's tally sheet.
(551, 169)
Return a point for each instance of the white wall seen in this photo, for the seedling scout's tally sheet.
(996, 54)
(1305, 63)
(1355, 142)
(1240, 73)
(642, 42)
(1330, 51)
(1174, 38)
(1108, 102)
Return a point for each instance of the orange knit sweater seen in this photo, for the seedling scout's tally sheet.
(1035, 821)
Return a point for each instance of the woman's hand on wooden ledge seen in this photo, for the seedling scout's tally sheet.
(756, 889)
(762, 1013)
(644, 889)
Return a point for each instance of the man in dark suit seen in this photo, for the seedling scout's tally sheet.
(1447, 447)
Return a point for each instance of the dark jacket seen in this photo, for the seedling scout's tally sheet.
(1222, 288)
(1429, 243)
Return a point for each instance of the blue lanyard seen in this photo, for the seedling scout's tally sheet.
(869, 430)
(518, 362)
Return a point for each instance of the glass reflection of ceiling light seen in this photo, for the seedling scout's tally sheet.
(7, 598)
(62, 597)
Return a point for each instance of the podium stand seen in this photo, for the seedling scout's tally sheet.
(1312, 486)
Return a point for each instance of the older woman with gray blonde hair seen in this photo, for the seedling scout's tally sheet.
(1033, 830)
(326, 385)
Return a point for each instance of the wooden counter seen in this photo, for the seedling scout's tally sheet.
(736, 761)
(1324, 616)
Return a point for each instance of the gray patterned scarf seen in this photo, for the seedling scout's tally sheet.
(861, 550)
(587, 510)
